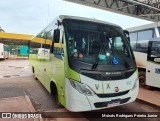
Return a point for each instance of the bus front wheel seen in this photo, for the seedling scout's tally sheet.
(33, 71)
(54, 93)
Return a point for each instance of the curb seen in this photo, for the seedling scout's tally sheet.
(148, 103)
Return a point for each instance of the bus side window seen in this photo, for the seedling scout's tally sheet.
(133, 39)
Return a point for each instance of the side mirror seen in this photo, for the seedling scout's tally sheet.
(126, 32)
(56, 36)
(127, 35)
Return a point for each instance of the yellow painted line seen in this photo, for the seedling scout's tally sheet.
(15, 36)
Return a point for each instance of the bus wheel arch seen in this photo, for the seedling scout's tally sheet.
(54, 93)
(142, 77)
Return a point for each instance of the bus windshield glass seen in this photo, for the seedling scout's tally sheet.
(89, 41)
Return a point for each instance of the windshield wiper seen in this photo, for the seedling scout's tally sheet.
(94, 66)
(103, 47)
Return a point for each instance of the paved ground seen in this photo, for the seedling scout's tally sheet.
(16, 104)
(13, 87)
(25, 84)
(150, 96)
(14, 68)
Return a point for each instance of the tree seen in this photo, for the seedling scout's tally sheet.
(1, 30)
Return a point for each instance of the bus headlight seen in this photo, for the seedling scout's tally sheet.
(82, 88)
(135, 84)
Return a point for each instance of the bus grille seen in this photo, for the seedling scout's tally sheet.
(112, 94)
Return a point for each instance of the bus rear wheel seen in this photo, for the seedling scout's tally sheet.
(142, 78)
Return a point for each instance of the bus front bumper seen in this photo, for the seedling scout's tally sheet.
(77, 102)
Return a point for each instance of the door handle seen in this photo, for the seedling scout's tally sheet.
(148, 71)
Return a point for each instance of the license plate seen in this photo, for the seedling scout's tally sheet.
(113, 104)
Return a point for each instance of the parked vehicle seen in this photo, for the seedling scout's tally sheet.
(4, 51)
(90, 66)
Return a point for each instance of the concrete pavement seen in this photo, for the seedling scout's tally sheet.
(16, 104)
(150, 97)
(24, 104)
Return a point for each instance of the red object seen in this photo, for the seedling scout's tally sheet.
(116, 89)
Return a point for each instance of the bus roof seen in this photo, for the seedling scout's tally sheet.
(142, 27)
(86, 19)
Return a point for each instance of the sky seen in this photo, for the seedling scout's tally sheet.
(31, 16)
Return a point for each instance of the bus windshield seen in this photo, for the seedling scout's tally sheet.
(88, 42)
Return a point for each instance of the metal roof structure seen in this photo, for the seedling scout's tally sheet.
(15, 39)
(143, 9)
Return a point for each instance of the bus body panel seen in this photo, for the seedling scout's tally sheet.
(153, 74)
(75, 103)
(141, 59)
(54, 68)
(153, 62)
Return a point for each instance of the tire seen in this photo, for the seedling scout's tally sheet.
(142, 78)
(33, 71)
(54, 93)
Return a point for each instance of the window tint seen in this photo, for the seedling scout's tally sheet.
(48, 40)
(145, 35)
(133, 36)
(159, 29)
(87, 41)
(155, 49)
(154, 35)
(133, 39)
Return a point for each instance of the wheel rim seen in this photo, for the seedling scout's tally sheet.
(142, 80)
